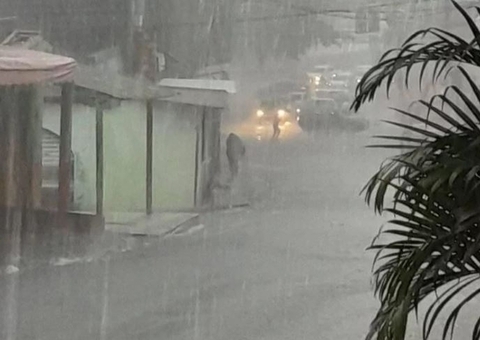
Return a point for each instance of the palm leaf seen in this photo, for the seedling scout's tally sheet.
(436, 185)
(402, 279)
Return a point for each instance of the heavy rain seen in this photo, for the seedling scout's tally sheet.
(239, 169)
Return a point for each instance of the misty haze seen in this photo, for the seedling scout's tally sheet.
(239, 169)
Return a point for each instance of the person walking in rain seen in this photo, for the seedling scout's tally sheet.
(235, 151)
(276, 127)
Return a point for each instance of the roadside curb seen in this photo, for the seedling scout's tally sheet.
(110, 245)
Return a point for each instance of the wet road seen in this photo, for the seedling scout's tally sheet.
(293, 266)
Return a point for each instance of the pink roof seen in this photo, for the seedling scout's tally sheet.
(22, 67)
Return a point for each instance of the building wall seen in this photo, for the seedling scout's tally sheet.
(174, 139)
(125, 157)
(209, 155)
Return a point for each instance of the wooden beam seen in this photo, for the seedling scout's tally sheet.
(149, 167)
(65, 147)
(99, 158)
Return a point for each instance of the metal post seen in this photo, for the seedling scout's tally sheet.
(65, 147)
(99, 158)
(149, 148)
(35, 147)
(9, 187)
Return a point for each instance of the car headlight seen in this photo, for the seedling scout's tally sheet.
(281, 113)
(260, 113)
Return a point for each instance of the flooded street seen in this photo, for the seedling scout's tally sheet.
(280, 269)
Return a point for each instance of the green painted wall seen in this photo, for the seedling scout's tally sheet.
(83, 147)
(174, 140)
(124, 142)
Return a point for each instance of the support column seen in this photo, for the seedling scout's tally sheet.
(149, 167)
(99, 158)
(34, 193)
(65, 148)
(8, 147)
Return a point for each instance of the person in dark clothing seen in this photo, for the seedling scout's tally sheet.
(235, 151)
(276, 127)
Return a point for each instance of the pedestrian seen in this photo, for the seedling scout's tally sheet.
(276, 127)
(235, 151)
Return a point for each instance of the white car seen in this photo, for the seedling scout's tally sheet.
(342, 79)
(320, 74)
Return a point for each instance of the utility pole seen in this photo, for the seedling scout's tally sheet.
(135, 31)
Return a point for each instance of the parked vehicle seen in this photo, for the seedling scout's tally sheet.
(326, 114)
(324, 69)
(295, 101)
(342, 97)
(317, 113)
(342, 80)
(319, 76)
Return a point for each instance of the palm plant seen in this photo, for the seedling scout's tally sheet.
(435, 179)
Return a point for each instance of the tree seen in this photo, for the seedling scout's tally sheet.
(435, 179)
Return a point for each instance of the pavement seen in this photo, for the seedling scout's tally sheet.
(292, 265)
(157, 224)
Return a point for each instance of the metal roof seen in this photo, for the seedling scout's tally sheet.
(200, 84)
(117, 85)
(21, 67)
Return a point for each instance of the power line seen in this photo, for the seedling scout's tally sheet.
(310, 12)
(264, 18)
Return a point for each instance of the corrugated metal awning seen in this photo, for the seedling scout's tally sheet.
(24, 67)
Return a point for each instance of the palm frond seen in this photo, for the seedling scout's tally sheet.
(435, 179)
(430, 254)
(446, 152)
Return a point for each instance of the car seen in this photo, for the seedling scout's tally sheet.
(343, 97)
(324, 69)
(316, 79)
(326, 114)
(296, 96)
(278, 89)
(320, 75)
(295, 99)
(271, 107)
(342, 80)
(316, 113)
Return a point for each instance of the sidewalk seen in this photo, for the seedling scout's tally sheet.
(157, 224)
(124, 233)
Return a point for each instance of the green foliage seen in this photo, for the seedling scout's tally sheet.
(432, 245)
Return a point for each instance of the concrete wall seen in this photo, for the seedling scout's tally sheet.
(125, 157)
